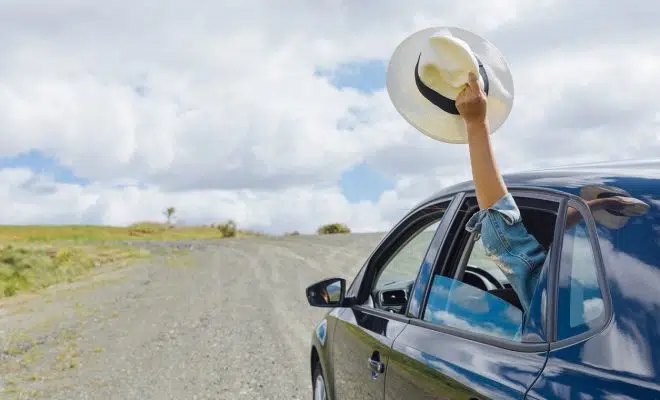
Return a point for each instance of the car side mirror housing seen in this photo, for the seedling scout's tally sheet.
(327, 293)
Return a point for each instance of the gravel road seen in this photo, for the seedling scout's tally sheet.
(223, 319)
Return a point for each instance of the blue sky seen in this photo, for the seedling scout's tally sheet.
(42, 164)
(359, 183)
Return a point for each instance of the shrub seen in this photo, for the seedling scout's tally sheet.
(228, 229)
(147, 228)
(330, 229)
(294, 233)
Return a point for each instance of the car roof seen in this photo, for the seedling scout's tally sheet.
(629, 175)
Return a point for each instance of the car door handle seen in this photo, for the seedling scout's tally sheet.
(376, 366)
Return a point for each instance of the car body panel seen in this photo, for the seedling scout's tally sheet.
(359, 335)
(428, 364)
(321, 348)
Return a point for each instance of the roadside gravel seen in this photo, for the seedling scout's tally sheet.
(213, 319)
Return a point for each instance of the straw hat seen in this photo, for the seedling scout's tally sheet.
(430, 68)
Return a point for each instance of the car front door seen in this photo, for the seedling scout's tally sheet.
(364, 333)
(469, 339)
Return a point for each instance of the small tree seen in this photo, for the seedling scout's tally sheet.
(330, 229)
(228, 229)
(169, 214)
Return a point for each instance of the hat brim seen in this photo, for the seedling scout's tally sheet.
(606, 218)
(424, 115)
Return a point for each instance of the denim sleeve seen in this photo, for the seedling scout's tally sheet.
(515, 251)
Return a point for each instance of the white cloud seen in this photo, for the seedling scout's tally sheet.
(33, 198)
(216, 109)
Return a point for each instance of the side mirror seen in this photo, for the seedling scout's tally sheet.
(326, 293)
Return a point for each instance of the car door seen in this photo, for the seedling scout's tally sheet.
(469, 338)
(364, 333)
(605, 324)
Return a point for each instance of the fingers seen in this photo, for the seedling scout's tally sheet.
(470, 89)
(462, 94)
(473, 81)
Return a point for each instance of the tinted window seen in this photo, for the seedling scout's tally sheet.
(404, 265)
(463, 306)
(469, 304)
(392, 288)
(580, 301)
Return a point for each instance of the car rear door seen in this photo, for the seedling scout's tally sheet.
(605, 326)
(364, 333)
(463, 342)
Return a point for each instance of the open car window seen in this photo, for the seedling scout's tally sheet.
(486, 271)
(472, 294)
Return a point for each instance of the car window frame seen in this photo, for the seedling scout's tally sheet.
(383, 252)
(390, 237)
(592, 233)
(540, 193)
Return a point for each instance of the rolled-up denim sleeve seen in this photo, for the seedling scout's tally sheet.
(506, 241)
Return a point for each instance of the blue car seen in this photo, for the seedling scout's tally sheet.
(431, 316)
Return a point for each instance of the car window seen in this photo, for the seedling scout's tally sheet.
(463, 306)
(475, 295)
(481, 263)
(406, 262)
(473, 303)
(391, 289)
(580, 305)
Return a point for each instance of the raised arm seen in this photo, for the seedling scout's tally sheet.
(506, 241)
(488, 182)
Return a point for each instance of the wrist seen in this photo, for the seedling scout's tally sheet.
(477, 127)
(476, 123)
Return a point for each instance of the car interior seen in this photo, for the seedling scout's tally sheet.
(476, 270)
(473, 268)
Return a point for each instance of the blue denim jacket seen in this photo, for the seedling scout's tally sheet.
(516, 252)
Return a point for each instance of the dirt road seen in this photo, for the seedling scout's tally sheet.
(227, 320)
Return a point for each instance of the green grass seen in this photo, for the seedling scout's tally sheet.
(26, 267)
(33, 257)
(84, 233)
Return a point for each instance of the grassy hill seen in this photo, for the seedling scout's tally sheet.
(91, 233)
(34, 257)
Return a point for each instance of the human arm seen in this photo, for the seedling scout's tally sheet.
(488, 182)
(516, 252)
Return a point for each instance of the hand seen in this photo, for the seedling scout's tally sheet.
(614, 203)
(471, 102)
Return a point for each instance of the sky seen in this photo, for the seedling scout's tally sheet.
(273, 113)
